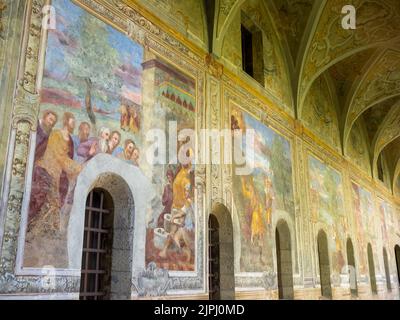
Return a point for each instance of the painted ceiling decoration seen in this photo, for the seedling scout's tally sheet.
(304, 43)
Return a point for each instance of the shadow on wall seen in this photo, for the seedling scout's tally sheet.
(224, 289)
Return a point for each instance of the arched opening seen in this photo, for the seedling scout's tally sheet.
(352, 268)
(221, 275)
(97, 246)
(387, 273)
(397, 255)
(213, 258)
(371, 266)
(284, 261)
(324, 268)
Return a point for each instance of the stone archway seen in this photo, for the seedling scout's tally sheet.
(351, 262)
(284, 260)
(324, 266)
(131, 193)
(222, 219)
(397, 258)
(387, 272)
(371, 267)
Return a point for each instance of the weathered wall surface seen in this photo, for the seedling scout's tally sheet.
(141, 77)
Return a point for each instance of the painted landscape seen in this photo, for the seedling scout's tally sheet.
(263, 197)
(91, 103)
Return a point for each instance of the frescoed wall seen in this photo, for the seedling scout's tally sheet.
(264, 196)
(91, 103)
(386, 222)
(327, 208)
(365, 221)
(78, 112)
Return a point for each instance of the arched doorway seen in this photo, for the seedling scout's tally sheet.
(324, 267)
(221, 275)
(213, 258)
(371, 266)
(397, 255)
(352, 268)
(387, 273)
(284, 261)
(97, 246)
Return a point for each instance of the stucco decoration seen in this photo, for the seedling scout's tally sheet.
(357, 148)
(397, 186)
(388, 131)
(292, 17)
(376, 24)
(319, 113)
(381, 82)
(186, 16)
(374, 116)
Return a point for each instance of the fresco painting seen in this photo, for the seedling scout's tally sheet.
(327, 207)
(264, 196)
(386, 221)
(91, 103)
(365, 223)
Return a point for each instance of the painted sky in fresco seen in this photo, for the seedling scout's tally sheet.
(65, 42)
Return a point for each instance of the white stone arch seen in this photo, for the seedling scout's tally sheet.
(132, 193)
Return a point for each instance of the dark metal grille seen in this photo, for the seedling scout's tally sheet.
(96, 240)
(213, 259)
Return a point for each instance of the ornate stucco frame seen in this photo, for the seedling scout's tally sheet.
(21, 155)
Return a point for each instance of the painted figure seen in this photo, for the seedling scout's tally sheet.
(114, 142)
(82, 139)
(179, 200)
(49, 170)
(53, 171)
(124, 119)
(269, 197)
(135, 156)
(44, 128)
(133, 120)
(126, 155)
(166, 198)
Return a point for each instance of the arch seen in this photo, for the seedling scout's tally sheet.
(97, 253)
(324, 266)
(221, 218)
(132, 193)
(214, 281)
(371, 267)
(387, 272)
(397, 256)
(284, 260)
(351, 262)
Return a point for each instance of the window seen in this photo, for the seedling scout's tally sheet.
(252, 50)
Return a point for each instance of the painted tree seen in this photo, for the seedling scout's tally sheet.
(93, 62)
(282, 171)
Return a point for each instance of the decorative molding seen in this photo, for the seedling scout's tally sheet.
(330, 43)
(379, 84)
(26, 107)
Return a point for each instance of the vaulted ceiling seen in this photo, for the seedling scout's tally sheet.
(361, 67)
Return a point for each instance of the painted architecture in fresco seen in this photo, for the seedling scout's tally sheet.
(89, 108)
(83, 103)
(263, 197)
